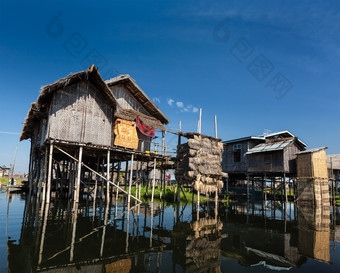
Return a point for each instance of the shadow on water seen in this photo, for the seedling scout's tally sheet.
(161, 237)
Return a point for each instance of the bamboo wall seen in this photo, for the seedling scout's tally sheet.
(312, 178)
(80, 113)
(126, 100)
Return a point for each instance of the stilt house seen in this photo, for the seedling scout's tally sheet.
(110, 121)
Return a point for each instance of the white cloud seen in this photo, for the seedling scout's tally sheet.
(170, 102)
(156, 100)
(194, 109)
(180, 104)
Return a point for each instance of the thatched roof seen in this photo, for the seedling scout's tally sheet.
(129, 114)
(139, 94)
(39, 108)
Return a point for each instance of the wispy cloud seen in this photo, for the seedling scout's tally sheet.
(155, 99)
(170, 102)
(182, 107)
(179, 104)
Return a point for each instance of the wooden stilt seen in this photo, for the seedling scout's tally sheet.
(198, 204)
(118, 179)
(49, 179)
(285, 185)
(130, 179)
(126, 173)
(265, 187)
(108, 177)
(248, 185)
(153, 179)
(78, 174)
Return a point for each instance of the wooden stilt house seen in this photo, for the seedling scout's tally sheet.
(81, 119)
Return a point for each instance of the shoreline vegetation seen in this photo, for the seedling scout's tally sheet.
(170, 192)
(4, 181)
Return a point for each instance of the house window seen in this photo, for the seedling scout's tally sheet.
(237, 152)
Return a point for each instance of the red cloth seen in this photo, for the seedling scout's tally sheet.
(143, 128)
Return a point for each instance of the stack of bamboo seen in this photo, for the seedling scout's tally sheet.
(199, 164)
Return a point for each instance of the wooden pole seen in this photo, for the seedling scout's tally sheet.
(215, 127)
(108, 177)
(78, 174)
(48, 197)
(285, 185)
(45, 175)
(126, 173)
(154, 179)
(216, 203)
(118, 178)
(130, 179)
(199, 122)
(248, 185)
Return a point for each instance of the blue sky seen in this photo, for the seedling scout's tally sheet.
(260, 65)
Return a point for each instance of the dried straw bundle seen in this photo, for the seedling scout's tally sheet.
(199, 163)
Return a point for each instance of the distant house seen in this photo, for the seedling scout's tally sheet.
(275, 156)
(4, 171)
(255, 155)
(234, 158)
(333, 166)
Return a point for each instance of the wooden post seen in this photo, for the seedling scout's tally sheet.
(108, 177)
(248, 185)
(199, 122)
(265, 187)
(198, 204)
(118, 178)
(215, 127)
(43, 234)
(74, 228)
(45, 175)
(78, 174)
(154, 179)
(126, 173)
(130, 179)
(48, 197)
(285, 185)
(216, 203)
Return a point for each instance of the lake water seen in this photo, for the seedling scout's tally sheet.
(243, 237)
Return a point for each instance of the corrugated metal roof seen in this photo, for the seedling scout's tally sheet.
(270, 146)
(243, 139)
(313, 150)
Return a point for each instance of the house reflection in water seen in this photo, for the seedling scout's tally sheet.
(197, 245)
(173, 238)
(257, 238)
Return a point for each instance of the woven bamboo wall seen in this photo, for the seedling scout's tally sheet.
(312, 180)
(80, 113)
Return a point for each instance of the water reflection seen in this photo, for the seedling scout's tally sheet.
(160, 237)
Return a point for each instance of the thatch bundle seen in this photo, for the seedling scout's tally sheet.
(199, 163)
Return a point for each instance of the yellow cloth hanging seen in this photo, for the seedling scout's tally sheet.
(126, 134)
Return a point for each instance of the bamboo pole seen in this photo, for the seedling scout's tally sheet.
(108, 177)
(126, 174)
(285, 185)
(78, 174)
(215, 127)
(118, 178)
(43, 234)
(45, 175)
(248, 185)
(130, 179)
(48, 197)
(153, 180)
